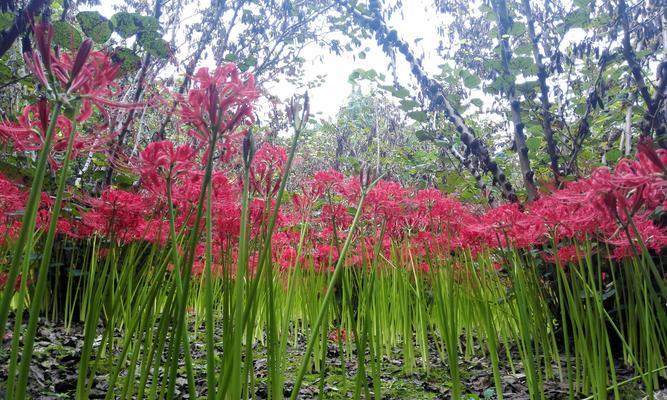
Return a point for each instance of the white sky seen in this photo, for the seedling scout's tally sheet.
(415, 21)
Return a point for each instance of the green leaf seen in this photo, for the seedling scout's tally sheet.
(471, 81)
(124, 181)
(148, 24)
(517, 29)
(407, 105)
(523, 50)
(533, 144)
(127, 59)
(524, 65)
(401, 92)
(154, 44)
(419, 116)
(423, 136)
(126, 24)
(66, 36)
(231, 57)
(477, 102)
(95, 26)
(6, 20)
(252, 61)
(578, 18)
(5, 72)
(528, 86)
(613, 155)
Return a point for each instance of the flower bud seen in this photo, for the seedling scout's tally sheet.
(81, 58)
(43, 36)
(610, 202)
(43, 109)
(645, 147)
(248, 148)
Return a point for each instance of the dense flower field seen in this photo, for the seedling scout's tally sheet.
(596, 208)
(209, 226)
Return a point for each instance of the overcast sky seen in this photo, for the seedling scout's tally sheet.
(413, 22)
(416, 23)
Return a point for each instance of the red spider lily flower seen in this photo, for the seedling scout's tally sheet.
(38, 63)
(17, 283)
(92, 79)
(219, 101)
(327, 182)
(44, 36)
(325, 257)
(117, 214)
(87, 74)
(646, 149)
(338, 335)
(12, 203)
(28, 134)
(162, 162)
(566, 255)
(268, 167)
(653, 237)
(80, 60)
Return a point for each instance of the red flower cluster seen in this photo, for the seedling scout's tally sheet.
(421, 221)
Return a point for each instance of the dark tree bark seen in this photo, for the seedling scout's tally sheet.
(592, 101)
(435, 92)
(9, 35)
(479, 182)
(629, 54)
(504, 26)
(547, 130)
(654, 117)
(139, 91)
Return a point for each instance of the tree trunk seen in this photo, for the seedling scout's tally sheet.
(126, 126)
(9, 35)
(435, 92)
(504, 26)
(629, 54)
(552, 150)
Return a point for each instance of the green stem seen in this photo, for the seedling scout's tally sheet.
(29, 336)
(338, 270)
(208, 296)
(28, 220)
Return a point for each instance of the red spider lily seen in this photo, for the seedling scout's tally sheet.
(651, 235)
(338, 335)
(327, 182)
(267, 169)
(17, 283)
(566, 255)
(325, 257)
(38, 63)
(28, 134)
(118, 214)
(387, 201)
(162, 162)
(219, 101)
(87, 74)
(12, 203)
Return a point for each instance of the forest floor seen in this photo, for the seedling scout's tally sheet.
(53, 373)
